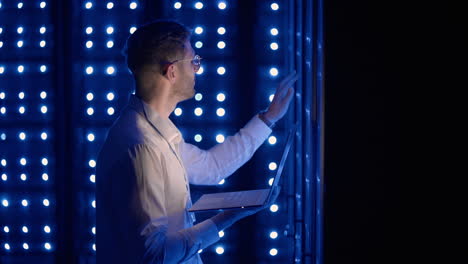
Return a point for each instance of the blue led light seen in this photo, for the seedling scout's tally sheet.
(89, 30)
(221, 182)
(133, 5)
(42, 5)
(90, 111)
(274, 72)
(270, 181)
(221, 31)
(110, 111)
(273, 235)
(110, 70)
(4, 162)
(132, 29)
(177, 5)
(274, 6)
(221, 97)
(2, 69)
(4, 177)
(90, 137)
(43, 109)
(20, 43)
(272, 166)
(198, 111)
(110, 96)
(109, 30)
(110, 5)
(47, 229)
(2, 95)
(89, 70)
(45, 177)
(198, 138)
(89, 96)
(220, 138)
(89, 44)
(23, 161)
(221, 45)
(270, 98)
(24, 203)
(274, 31)
(201, 70)
(273, 252)
(42, 30)
(92, 163)
(221, 70)
(46, 202)
(20, 5)
(272, 140)
(93, 203)
(198, 44)
(43, 68)
(92, 178)
(220, 112)
(110, 44)
(20, 30)
(42, 43)
(219, 250)
(198, 5)
(47, 246)
(25, 229)
(198, 97)
(21, 109)
(43, 135)
(7, 246)
(178, 111)
(23, 177)
(44, 161)
(221, 233)
(274, 46)
(22, 136)
(198, 30)
(274, 208)
(88, 5)
(6, 229)
(222, 5)
(25, 246)
(5, 203)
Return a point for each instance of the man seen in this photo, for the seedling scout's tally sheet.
(145, 167)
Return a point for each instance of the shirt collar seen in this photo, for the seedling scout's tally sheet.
(163, 125)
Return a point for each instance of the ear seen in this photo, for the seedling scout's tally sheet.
(171, 73)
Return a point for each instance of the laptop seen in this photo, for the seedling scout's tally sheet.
(243, 199)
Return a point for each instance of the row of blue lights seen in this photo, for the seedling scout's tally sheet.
(20, 30)
(109, 30)
(22, 95)
(22, 43)
(25, 202)
(22, 136)
(24, 162)
(22, 110)
(21, 68)
(8, 247)
(25, 229)
(89, 5)
(24, 177)
(199, 5)
(20, 5)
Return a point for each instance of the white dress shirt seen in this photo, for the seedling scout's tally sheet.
(143, 193)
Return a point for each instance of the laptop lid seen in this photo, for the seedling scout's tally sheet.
(287, 147)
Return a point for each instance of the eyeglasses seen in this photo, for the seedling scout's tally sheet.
(196, 62)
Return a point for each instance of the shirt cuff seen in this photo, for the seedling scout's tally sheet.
(206, 233)
(261, 129)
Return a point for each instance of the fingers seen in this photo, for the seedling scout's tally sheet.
(286, 83)
(290, 76)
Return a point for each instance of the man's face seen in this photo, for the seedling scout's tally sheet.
(184, 87)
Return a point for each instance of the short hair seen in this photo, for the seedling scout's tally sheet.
(156, 43)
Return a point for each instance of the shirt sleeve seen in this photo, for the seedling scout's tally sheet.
(209, 167)
(159, 245)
